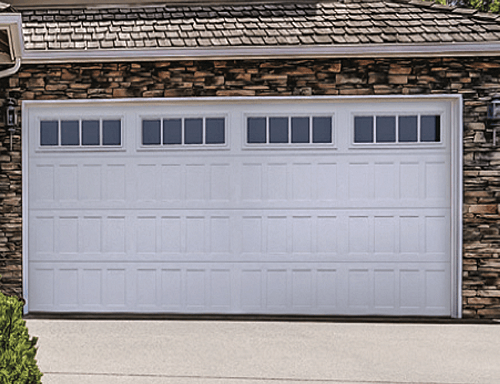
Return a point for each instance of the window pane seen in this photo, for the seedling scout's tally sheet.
(90, 132)
(49, 134)
(193, 131)
(300, 130)
(278, 130)
(386, 129)
(363, 129)
(430, 128)
(322, 129)
(172, 131)
(256, 130)
(70, 132)
(408, 129)
(151, 131)
(214, 131)
(111, 132)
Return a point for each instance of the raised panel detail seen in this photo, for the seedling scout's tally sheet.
(115, 287)
(220, 288)
(359, 294)
(326, 280)
(384, 290)
(115, 182)
(44, 179)
(276, 289)
(251, 182)
(90, 185)
(171, 234)
(326, 185)
(277, 234)
(91, 235)
(171, 288)
(251, 289)
(171, 182)
(409, 180)
(301, 181)
(359, 181)
(277, 181)
(146, 287)
(68, 182)
(67, 292)
(91, 287)
(68, 235)
(114, 234)
(302, 288)
(146, 234)
(146, 182)
(220, 182)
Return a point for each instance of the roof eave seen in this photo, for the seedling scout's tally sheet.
(11, 23)
(262, 52)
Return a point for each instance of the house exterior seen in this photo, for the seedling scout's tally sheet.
(317, 158)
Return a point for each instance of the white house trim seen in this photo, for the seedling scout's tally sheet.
(264, 52)
(456, 162)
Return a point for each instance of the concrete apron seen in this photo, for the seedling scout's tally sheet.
(223, 352)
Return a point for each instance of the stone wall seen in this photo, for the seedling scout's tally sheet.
(10, 204)
(477, 79)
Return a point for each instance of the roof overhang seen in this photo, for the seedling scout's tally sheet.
(264, 52)
(10, 37)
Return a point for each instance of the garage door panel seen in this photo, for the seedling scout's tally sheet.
(245, 287)
(309, 228)
(335, 235)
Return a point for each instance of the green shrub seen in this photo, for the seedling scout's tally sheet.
(17, 350)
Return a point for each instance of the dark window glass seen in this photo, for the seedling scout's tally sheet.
(408, 129)
(322, 129)
(151, 131)
(256, 130)
(90, 132)
(172, 131)
(278, 129)
(300, 130)
(363, 129)
(49, 133)
(430, 128)
(70, 132)
(193, 131)
(386, 129)
(214, 131)
(111, 132)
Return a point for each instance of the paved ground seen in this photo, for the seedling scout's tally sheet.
(219, 352)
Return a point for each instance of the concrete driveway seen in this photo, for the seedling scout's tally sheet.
(223, 352)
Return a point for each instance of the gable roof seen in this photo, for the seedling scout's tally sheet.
(359, 27)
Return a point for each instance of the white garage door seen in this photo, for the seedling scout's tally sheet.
(320, 206)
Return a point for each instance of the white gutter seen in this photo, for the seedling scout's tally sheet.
(262, 52)
(12, 70)
(11, 22)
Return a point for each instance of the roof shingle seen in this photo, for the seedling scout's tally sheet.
(310, 24)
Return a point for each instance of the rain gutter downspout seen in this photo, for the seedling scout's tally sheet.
(12, 70)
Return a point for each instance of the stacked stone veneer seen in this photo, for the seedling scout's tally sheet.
(477, 79)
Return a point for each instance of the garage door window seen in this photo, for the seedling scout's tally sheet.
(289, 130)
(80, 133)
(184, 131)
(397, 129)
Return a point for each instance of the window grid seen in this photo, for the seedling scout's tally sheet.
(183, 138)
(397, 129)
(80, 136)
(290, 135)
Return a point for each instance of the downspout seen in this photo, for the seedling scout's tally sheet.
(12, 70)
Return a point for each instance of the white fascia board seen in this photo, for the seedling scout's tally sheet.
(11, 22)
(362, 51)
